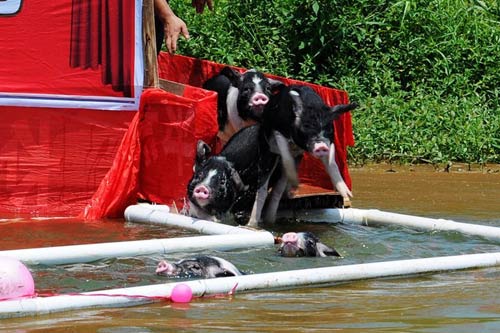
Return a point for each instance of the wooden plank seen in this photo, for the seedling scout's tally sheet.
(172, 87)
(149, 45)
(314, 197)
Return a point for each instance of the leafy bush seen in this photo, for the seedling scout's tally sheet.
(426, 72)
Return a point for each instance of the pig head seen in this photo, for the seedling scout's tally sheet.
(215, 185)
(241, 98)
(304, 244)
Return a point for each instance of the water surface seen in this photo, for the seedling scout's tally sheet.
(460, 301)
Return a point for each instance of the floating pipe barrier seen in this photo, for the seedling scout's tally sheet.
(148, 214)
(375, 216)
(58, 255)
(151, 214)
(276, 280)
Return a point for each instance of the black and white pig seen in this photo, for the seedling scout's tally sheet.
(198, 267)
(304, 123)
(235, 180)
(241, 98)
(304, 244)
(215, 185)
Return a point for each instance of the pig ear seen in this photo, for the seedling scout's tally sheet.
(235, 176)
(233, 75)
(298, 107)
(202, 151)
(337, 110)
(275, 84)
(325, 251)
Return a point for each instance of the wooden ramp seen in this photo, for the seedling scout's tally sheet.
(314, 197)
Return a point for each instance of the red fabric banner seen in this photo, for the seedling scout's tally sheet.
(52, 160)
(69, 48)
(102, 35)
(155, 159)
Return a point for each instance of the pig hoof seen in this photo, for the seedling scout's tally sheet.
(252, 225)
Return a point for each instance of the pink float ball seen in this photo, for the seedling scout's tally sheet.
(15, 279)
(181, 293)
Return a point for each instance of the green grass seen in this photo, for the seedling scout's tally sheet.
(426, 72)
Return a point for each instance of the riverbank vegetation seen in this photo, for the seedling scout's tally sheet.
(426, 72)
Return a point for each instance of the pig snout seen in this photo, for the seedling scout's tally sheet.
(259, 100)
(290, 237)
(164, 268)
(289, 246)
(320, 149)
(201, 192)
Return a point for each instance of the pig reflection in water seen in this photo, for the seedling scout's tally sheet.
(198, 267)
(304, 244)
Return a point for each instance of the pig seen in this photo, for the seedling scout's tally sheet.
(304, 244)
(304, 123)
(235, 180)
(241, 98)
(215, 185)
(206, 267)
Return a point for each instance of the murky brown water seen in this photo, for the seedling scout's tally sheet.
(422, 190)
(463, 301)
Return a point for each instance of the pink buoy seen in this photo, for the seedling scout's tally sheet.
(181, 293)
(15, 279)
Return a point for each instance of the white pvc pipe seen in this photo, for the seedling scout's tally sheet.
(266, 281)
(151, 214)
(58, 255)
(376, 216)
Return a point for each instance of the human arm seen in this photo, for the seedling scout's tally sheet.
(173, 25)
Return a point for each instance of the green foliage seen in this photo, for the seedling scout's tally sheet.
(426, 72)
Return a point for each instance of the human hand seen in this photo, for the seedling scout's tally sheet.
(174, 27)
(200, 5)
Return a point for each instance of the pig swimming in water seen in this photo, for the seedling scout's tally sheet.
(304, 244)
(241, 98)
(198, 267)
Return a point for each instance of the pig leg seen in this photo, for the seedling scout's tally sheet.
(286, 158)
(260, 200)
(258, 205)
(334, 173)
(276, 195)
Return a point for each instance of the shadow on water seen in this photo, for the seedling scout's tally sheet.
(460, 301)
